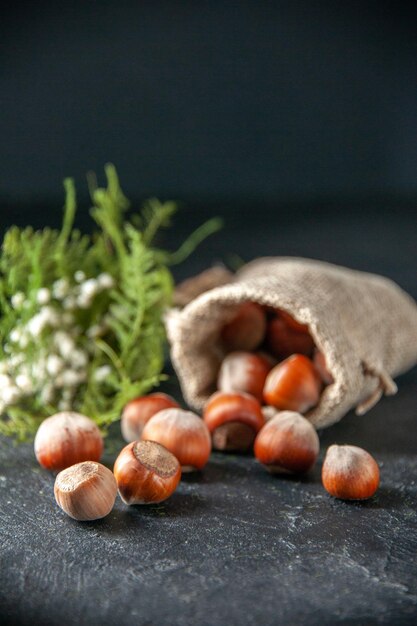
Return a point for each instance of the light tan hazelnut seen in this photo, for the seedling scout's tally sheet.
(86, 491)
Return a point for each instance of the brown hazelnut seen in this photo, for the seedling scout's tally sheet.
(319, 361)
(233, 420)
(139, 411)
(350, 473)
(244, 371)
(146, 473)
(183, 433)
(293, 385)
(287, 443)
(67, 438)
(246, 330)
(283, 340)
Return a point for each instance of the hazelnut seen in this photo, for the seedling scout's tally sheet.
(243, 371)
(233, 420)
(146, 473)
(350, 473)
(184, 434)
(140, 410)
(291, 322)
(319, 361)
(86, 491)
(293, 385)
(67, 438)
(246, 330)
(287, 443)
(283, 340)
(269, 412)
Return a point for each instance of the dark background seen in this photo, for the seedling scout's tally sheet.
(211, 102)
(295, 121)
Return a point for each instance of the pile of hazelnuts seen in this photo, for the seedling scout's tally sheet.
(271, 376)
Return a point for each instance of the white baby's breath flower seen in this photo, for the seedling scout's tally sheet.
(67, 393)
(15, 335)
(24, 383)
(60, 288)
(16, 359)
(51, 316)
(36, 324)
(70, 303)
(79, 276)
(79, 359)
(89, 287)
(64, 343)
(93, 331)
(102, 373)
(10, 395)
(54, 364)
(84, 301)
(17, 299)
(71, 378)
(5, 381)
(105, 281)
(47, 394)
(24, 340)
(43, 296)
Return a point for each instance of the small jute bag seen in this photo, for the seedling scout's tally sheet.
(365, 325)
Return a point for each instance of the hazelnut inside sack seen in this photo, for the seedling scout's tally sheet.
(364, 324)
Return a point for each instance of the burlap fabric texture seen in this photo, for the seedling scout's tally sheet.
(365, 325)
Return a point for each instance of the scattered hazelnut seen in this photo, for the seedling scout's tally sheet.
(233, 420)
(283, 340)
(246, 330)
(350, 473)
(184, 434)
(140, 410)
(86, 491)
(146, 473)
(243, 371)
(293, 385)
(319, 361)
(67, 438)
(287, 443)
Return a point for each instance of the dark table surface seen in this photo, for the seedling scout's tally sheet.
(235, 545)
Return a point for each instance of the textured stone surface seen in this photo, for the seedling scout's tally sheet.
(233, 545)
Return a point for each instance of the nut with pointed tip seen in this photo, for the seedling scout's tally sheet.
(350, 473)
(288, 443)
(183, 433)
(293, 385)
(233, 420)
(86, 491)
(139, 411)
(244, 371)
(320, 364)
(146, 473)
(246, 330)
(284, 338)
(67, 438)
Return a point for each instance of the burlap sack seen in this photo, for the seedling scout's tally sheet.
(365, 325)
